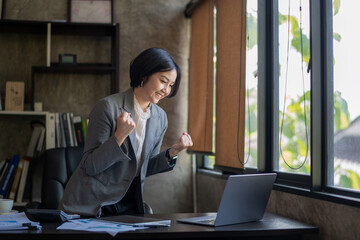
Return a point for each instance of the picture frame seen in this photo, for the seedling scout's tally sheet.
(66, 59)
(91, 11)
(14, 96)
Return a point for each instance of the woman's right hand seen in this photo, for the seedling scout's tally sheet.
(124, 126)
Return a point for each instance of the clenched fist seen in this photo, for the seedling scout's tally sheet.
(184, 142)
(124, 126)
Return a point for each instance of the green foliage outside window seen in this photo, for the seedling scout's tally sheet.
(294, 144)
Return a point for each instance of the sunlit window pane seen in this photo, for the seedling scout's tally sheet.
(250, 159)
(346, 95)
(294, 87)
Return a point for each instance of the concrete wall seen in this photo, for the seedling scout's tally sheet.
(336, 221)
(143, 24)
(159, 23)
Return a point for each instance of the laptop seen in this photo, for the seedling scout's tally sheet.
(244, 199)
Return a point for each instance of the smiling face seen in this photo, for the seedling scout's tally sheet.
(155, 88)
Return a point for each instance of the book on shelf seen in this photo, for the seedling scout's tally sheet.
(35, 140)
(8, 177)
(72, 134)
(84, 123)
(60, 134)
(5, 165)
(2, 163)
(57, 131)
(69, 130)
(65, 127)
(50, 130)
(23, 178)
(40, 144)
(15, 184)
(79, 133)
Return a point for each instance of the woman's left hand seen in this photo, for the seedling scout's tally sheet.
(183, 142)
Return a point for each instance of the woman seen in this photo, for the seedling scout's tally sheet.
(124, 137)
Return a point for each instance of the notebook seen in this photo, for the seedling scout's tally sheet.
(49, 215)
(244, 200)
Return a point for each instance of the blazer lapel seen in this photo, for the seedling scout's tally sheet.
(129, 107)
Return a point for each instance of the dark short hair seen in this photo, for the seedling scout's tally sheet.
(151, 61)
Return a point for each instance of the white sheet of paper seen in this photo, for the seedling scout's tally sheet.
(15, 221)
(94, 225)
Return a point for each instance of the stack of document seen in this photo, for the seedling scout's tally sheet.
(94, 225)
(114, 225)
(138, 221)
(17, 221)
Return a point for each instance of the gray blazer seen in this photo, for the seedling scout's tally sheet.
(107, 170)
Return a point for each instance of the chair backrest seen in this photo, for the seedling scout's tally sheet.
(59, 165)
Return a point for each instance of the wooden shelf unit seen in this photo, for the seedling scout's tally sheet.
(74, 29)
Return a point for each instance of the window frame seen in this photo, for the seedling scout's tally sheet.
(316, 184)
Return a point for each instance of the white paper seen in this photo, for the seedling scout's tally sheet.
(94, 225)
(15, 221)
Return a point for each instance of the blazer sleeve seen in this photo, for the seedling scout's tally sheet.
(101, 148)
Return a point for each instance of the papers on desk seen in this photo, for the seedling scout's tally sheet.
(17, 221)
(115, 224)
(138, 221)
(95, 225)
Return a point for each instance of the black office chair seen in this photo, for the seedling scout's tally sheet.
(59, 165)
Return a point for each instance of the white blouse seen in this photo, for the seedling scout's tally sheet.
(140, 120)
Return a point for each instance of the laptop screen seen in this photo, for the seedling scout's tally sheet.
(245, 198)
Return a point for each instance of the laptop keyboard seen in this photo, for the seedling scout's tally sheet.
(209, 221)
(206, 220)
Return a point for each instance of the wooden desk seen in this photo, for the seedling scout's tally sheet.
(270, 227)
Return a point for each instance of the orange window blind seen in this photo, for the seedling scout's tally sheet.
(201, 77)
(230, 82)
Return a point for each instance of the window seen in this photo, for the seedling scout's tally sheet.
(301, 115)
(251, 96)
(346, 140)
(327, 81)
(294, 87)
